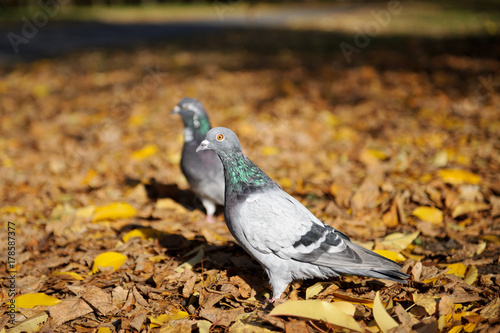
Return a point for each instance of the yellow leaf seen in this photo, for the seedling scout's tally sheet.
(113, 211)
(394, 256)
(145, 152)
(456, 329)
(457, 177)
(469, 327)
(74, 275)
(29, 301)
(426, 301)
(40, 90)
(12, 210)
(314, 290)
(30, 325)
(137, 119)
(471, 275)
(142, 233)
(457, 269)
(469, 207)
(103, 330)
(382, 318)
(165, 318)
(108, 259)
(269, 151)
(331, 119)
(84, 213)
(285, 182)
(429, 214)
(399, 241)
(88, 177)
(200, 253)
(317, 310)
(378, 154)
(204, 326)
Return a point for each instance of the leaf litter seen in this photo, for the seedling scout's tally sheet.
(110, 239)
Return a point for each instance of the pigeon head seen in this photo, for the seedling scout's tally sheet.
(221, 140)
(193, 115)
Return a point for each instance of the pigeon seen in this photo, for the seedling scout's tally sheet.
(279, 232)
(203, 171)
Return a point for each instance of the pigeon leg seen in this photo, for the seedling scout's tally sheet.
(210, 208)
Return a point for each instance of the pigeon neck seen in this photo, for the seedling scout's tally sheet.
(196, 128)
(241, 174)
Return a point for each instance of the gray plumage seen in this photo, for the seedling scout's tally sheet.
(279, 232)
(203, 171)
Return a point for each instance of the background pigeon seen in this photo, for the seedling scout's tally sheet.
(279, 232)
(203, 171)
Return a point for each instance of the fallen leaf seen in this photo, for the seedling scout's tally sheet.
(200, 253)
(492, 310)
(457, 269)
(471, 275)
(142, 233)
(457, 177)
(398, 241)
(145, 152)
(314, 290)
(269, 151)
(108, 259)
(99, 300)
(382, 318)
(113, 211)
(103, 330)
(426, 301)
(165, 318)
(29, 301)
(30, 325)
(394, 256)
(429, 214)
(469, 207)
(74, 275)
(317, 310)
(69, 309)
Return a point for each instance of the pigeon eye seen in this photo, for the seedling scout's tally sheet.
(219, 137)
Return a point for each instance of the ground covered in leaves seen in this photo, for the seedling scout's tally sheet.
(399, 149)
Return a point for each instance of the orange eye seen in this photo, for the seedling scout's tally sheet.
(219, 137)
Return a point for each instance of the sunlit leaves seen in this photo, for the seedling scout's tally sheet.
(113, 211)
(391, 255)
(429, 214)
(457, 176)
(383, 319)
(145, 152)
(29, 301)
(331, 313)
(161, 320)
(108, 259)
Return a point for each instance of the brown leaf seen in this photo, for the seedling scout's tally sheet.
(138, 297)
(68, 309)
(243, 287)
(492, 310)
(100, 300)
(446, 305)
(390, 218)
(366, 195)
(221, 317)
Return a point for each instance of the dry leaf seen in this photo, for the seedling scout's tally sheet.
(30, 325)
(428, 302)
(469, 207)
(429, 214)
(382, 318)
(317, 310)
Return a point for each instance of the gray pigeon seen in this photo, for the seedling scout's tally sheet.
(279, 232)
(203, 171)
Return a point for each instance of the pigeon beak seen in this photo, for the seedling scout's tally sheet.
(176, 110)
(203, 146)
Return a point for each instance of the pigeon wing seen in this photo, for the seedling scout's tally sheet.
(275, 222)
